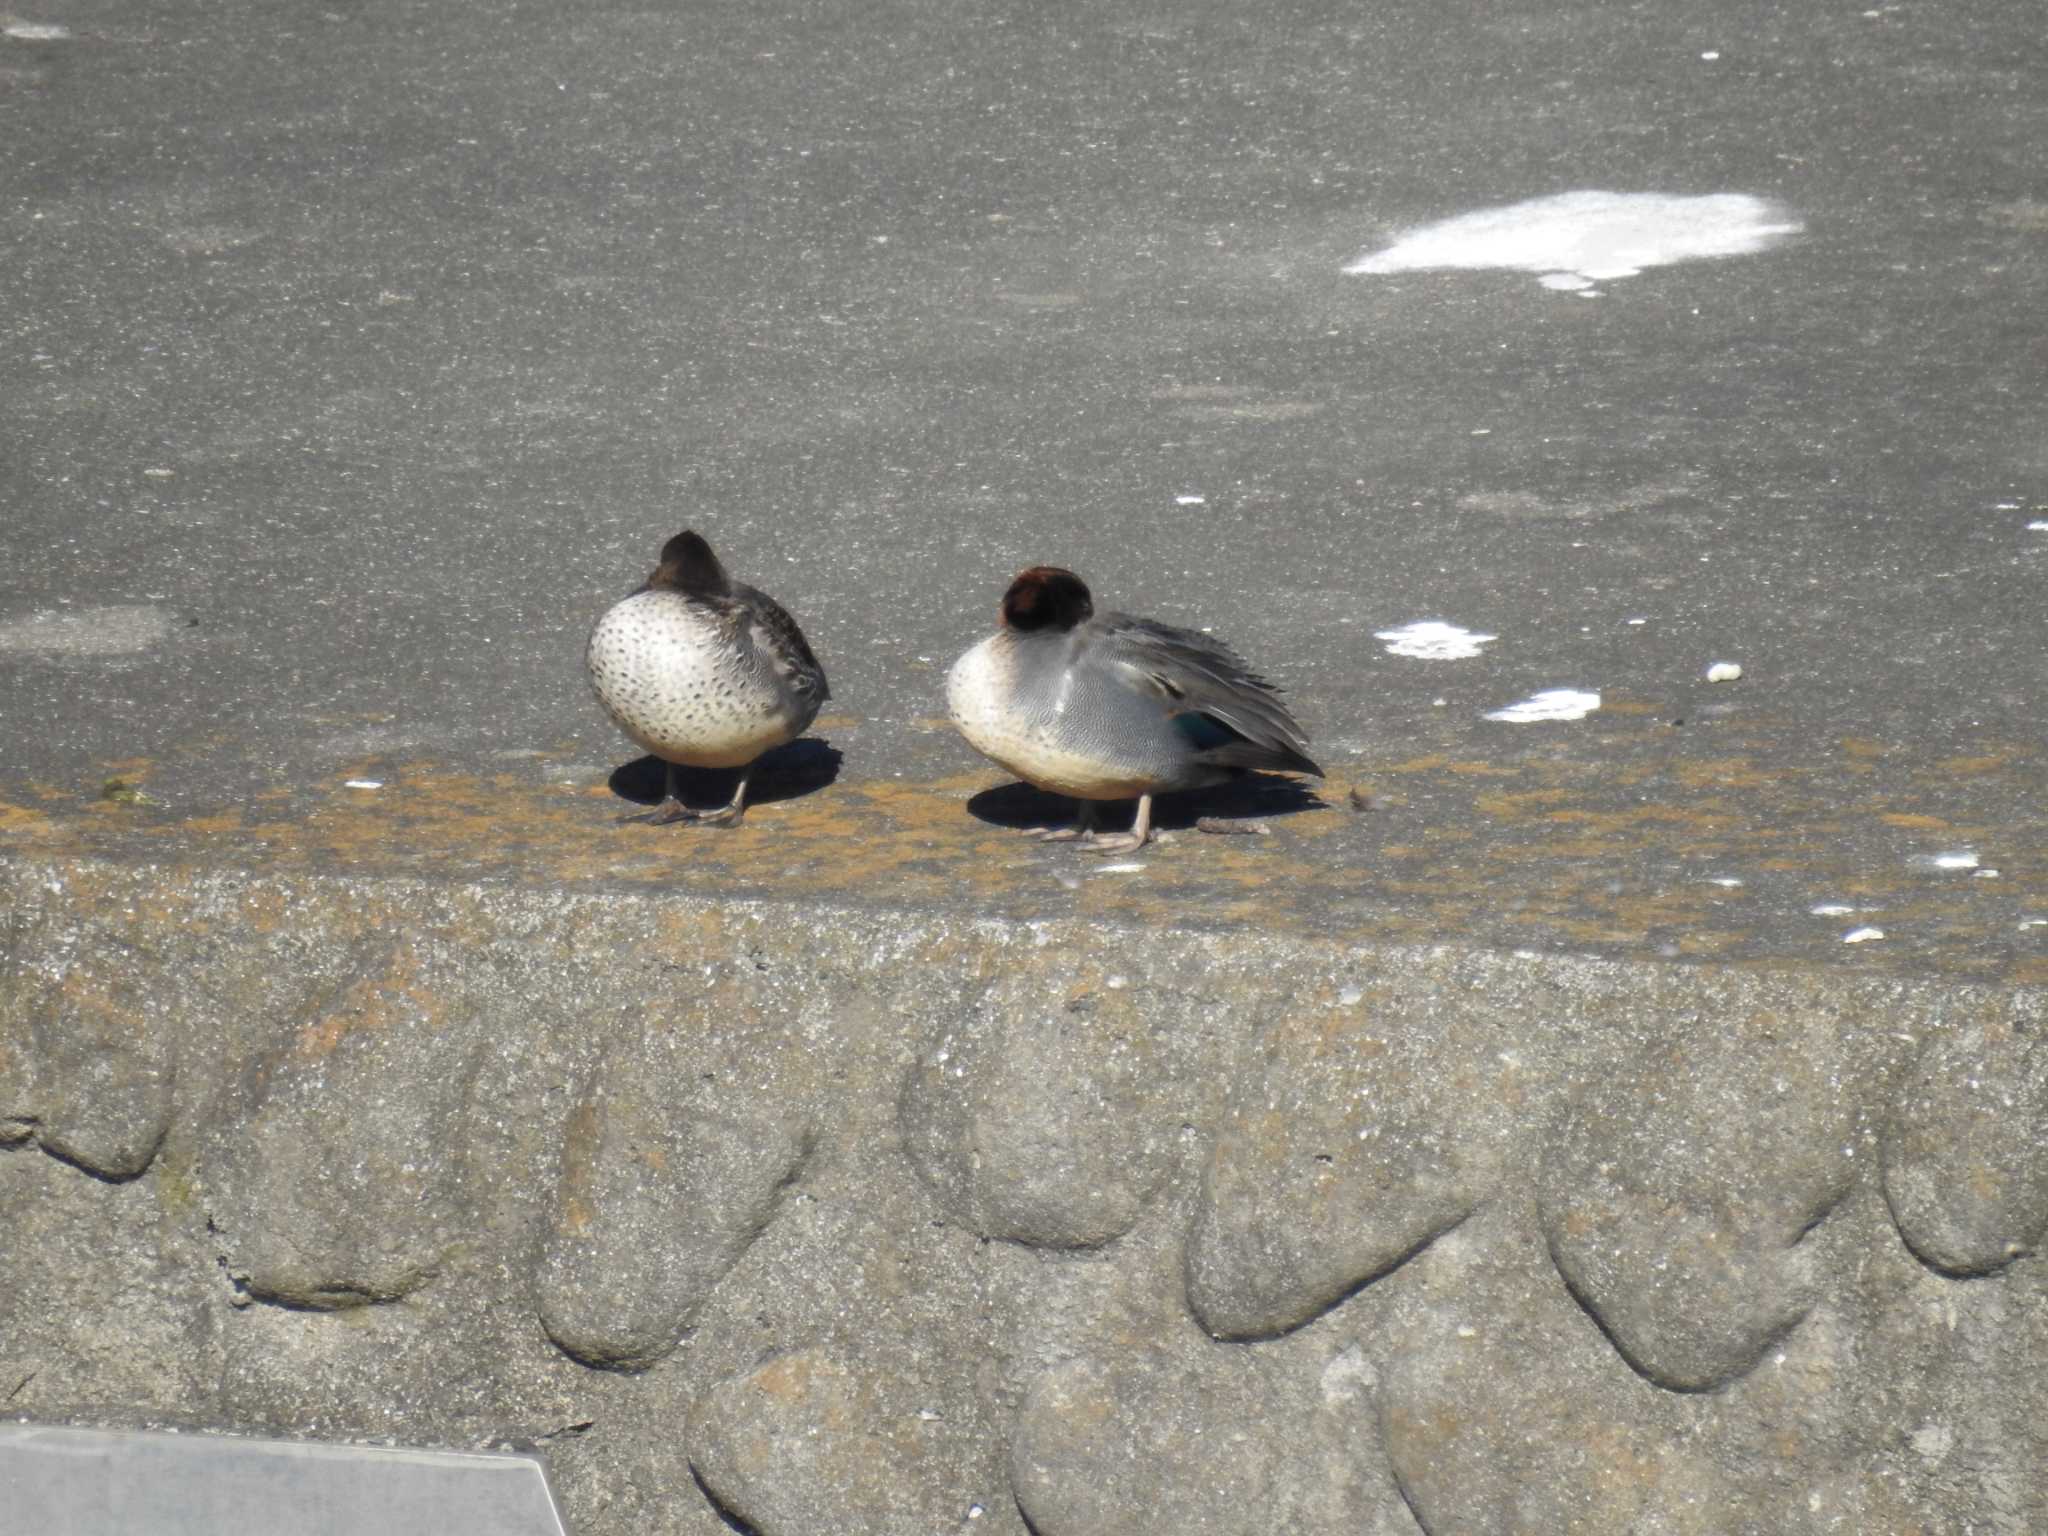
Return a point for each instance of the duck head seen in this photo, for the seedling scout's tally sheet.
(687, 565)
(1046, 597)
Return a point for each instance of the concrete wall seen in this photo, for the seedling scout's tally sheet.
(755, 1216)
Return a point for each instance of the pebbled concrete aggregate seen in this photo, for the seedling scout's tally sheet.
(744, 1213)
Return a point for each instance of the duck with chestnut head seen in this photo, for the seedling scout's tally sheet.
(1104, 706)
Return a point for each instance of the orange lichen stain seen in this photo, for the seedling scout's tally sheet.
(576, 1216)
(265, 910)
(17, 819)
(1612, 706)
(1708, 943)
(1723, 773)
(223, 824)
(1307, 824)
(835, 722)
(788, 1378)
(374, 1003)
(1438, 762)
(1863, 747)
(1969, 767)
(1912, 822)
(1520, 805)
(1702, 818)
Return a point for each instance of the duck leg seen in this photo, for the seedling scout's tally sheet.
(1083, 828)
(729, 815)
(1131, 841)
(672, 809)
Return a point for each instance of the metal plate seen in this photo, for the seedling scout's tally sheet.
(91, 1482)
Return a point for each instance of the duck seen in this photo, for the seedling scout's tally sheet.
(1105, 706)
(703, 672)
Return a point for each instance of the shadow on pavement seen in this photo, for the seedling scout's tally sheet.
(1254, 796)
(802, 767)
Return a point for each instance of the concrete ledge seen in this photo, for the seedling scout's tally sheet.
(818, 1217)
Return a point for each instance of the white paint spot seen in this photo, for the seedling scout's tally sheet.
(1986, 874)
(975, 1511)
(363, 784)
(1117, 983)
(1118, 869)
(1931, 1442)
(1190, 501)
(1633, 622)
(1727, 881)
(1961, 858)
(2039, 525)
(119, 630)
(1349, 1374)
(1724, 672)
(2034, 922)
(1862, 935)
(2005, 506)
(1551, 704)
(1711, 54)
(1349, 997)
(1576, 239)
(1831, 909)
(1433, 640)
(36, 32)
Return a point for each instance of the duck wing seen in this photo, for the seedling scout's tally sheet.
(774, 631)
(1231, 714)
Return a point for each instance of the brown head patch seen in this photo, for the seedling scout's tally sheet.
(1046, 597)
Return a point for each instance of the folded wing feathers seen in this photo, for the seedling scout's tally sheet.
(773, 628)
(1200, 673)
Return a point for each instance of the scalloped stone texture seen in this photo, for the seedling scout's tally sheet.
(1966, 1150)
(334, 1191)
(657, 1201)
(88, 1068)
(1483, 1439)
(811, 1443)
(1159, 1446)
(1048, 1124)
(1342, 1155)
(1675, 1191)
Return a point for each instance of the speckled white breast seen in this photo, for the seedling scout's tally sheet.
(1033, 745)
(684, 686)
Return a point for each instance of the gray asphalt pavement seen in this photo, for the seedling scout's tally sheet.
(355, 356)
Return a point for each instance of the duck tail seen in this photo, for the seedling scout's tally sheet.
(1274, 757)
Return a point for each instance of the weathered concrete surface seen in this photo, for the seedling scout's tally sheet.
(1508, 1141)
(864, 1219)
(355, 360)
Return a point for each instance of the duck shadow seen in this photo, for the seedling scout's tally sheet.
(1251, 798)
(800, 767)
